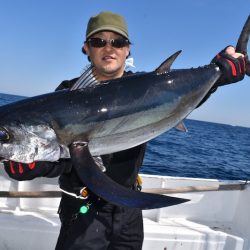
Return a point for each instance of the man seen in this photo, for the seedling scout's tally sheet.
(88, 222)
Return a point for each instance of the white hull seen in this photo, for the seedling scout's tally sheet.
(211, 220)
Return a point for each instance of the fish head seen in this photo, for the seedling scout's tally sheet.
(29, 143)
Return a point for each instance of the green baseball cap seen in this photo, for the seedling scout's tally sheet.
(107, 21)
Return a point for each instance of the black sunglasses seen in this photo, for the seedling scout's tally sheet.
(99, 43)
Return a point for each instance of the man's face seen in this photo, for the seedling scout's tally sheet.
(108, 61)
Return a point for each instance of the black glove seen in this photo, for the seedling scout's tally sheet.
(233, 69)
(22, 171)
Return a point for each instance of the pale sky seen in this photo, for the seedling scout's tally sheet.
(41, 43)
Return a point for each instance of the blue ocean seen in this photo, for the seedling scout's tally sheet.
(207, 150)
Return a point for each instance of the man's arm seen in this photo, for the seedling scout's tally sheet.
(232, 66)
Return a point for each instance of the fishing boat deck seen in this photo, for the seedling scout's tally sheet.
(211, 220)
(184, 234)
(170, 233)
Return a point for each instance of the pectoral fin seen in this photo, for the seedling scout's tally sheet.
(100, 184)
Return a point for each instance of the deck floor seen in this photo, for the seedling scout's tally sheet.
(180, 233)
(168, 234)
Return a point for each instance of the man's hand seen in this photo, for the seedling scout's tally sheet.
(231, 64)
(22, 171)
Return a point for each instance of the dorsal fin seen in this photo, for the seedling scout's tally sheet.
(87, 79)
(165, 66)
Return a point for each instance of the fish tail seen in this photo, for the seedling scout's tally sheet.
(241, 46)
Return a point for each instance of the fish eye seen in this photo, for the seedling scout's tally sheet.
(4, 135)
